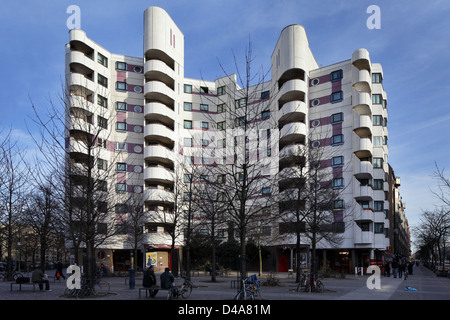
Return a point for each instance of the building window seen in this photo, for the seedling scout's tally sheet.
(377, 120)
(239, 103)
(379, 227)
(187, 124)
(205, 125)
(221, 108)
(377, 78)
(102, 60)
(102, 101)
(204, 90)
(338, 204)
(102, 80)
(204, 107)
(337, 117)
(265, 95)
(121, 167)
(187, 142)
(336, 75)
(337, 139)
(338, 183)
(121, 86)
(102, 185)
(187, 178)
(188, 160)
(121, 146)
(221, 91)
(378, 162)
(377, 98)
(102, 164)
(121, 66)
(337, 161)
(102, 122)
(121, 126)
(205, 143)
(221, 125)
(378, 184)
(121, 106)
(378, 206)
(377, 141)
(121, 187)
(102, 143)
(365, 226)
(265, 190)
(336, 97)
(265, 114)
(239, 121)
(187, 106)
(187, 88)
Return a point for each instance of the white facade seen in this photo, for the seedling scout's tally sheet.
(169, 119)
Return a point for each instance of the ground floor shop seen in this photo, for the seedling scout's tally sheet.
(327, 260)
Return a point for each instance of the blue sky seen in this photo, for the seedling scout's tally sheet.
(413, 46)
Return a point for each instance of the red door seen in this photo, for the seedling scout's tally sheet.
(282, 263)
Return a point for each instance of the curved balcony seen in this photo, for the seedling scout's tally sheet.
(363, 169)
(363, 126)
(292, 90)
(363, 147)
(159, 195)
(159, 91)
(362, 193)
(362, 103)
(292, 109)
(362, 237)
(363, 214)
(78, 79)
(159, 132)
(158, 174)
(362, 81)
(159, 71)
(80, 58)
(292, 151)
(292, 132)
(160, 112)
(159, 153)
(361, 59)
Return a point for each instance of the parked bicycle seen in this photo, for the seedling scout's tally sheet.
(100, 287)
(314, 285)
(15, 275)
(184, 290)
(250, 289)
(310, 283)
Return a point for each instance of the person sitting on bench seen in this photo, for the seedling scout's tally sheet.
(38, 277)
(149, 280)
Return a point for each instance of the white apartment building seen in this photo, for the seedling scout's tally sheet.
(155, 119)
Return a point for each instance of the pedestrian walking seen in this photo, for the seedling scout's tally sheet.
(395, 268)
(401, 269)
(387, 269)
(59, 270)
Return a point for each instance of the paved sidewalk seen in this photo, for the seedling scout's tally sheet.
(351, 288)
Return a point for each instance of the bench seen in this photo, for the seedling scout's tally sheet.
(24, 284)
(147, 290)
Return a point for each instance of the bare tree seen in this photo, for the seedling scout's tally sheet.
(75, 145)
(13, 188)
(310, 197)
(244, 167)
